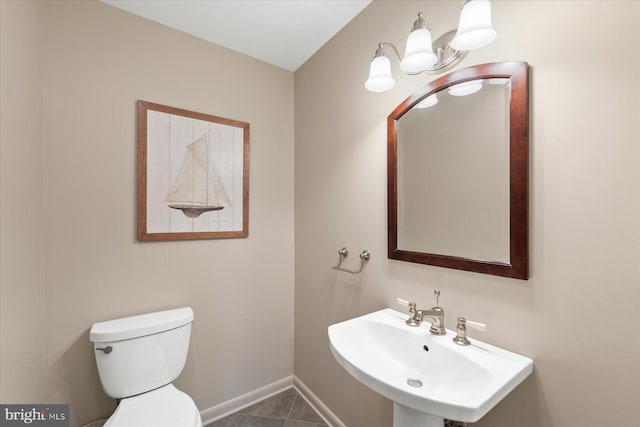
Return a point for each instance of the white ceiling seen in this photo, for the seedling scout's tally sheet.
(284, 33)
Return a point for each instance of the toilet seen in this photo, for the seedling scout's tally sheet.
(138, 358)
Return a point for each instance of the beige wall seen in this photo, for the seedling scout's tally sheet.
(69, 256)
(22, 296)
(577, 316)
(97, 61)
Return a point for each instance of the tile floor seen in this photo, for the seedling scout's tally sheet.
(287, 409)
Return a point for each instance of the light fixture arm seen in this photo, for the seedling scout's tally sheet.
(446, 56)
(392, 46)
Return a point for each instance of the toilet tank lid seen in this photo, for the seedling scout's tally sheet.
(141, 325)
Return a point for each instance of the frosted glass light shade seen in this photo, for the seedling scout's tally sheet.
(466, 88)
(475, 29)
(419, 54)
(380, 79)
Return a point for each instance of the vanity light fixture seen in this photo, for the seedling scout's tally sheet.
(421, 54)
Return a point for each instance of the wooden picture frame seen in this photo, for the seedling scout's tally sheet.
(193, 175)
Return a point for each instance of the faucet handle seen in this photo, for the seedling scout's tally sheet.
(461, 329)
(482, 327)
(437, 295)
(412, 320)
(403, 302)
(411, 305)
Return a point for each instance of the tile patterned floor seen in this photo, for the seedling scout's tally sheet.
(287, 409)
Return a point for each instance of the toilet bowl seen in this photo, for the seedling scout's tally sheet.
(138, 358)
(166, 406)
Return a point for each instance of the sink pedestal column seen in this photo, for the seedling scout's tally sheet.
(404, 416)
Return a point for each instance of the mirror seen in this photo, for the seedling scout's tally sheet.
(457, 172)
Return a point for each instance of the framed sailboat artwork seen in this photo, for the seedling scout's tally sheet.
(193, 175)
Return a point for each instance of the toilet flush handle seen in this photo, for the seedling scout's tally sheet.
(108, 349)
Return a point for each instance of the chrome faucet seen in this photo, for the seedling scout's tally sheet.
(435, 315)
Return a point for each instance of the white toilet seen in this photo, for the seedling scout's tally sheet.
(138, 358)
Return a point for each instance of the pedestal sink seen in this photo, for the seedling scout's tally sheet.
(428, 377)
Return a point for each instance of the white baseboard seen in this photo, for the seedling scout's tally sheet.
(329, 417)
(229, 407)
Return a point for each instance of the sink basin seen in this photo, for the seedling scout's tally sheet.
(428, 377)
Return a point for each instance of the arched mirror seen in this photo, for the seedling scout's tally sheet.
(457, 157)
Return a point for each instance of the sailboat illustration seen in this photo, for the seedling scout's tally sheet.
(197, 188)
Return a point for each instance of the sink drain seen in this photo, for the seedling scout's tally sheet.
(414, 382)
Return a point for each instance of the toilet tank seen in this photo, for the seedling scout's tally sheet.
(141, 353)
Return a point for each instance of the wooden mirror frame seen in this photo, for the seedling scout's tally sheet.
(517, 73)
